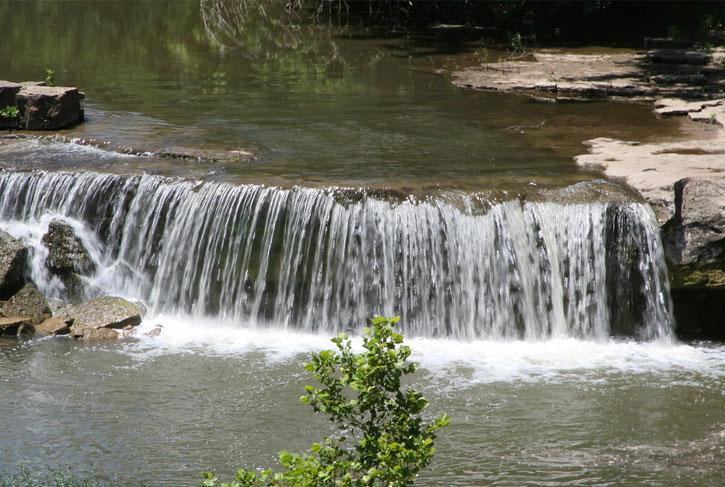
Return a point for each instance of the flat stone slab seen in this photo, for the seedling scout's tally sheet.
(27, 302)
(619, 75)
(677, 107)
(653, 169)
(713, 114)
(53, 326)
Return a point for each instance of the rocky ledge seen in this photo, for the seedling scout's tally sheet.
(683, 181)
(636, 76)
(24, 310)
(35, 106)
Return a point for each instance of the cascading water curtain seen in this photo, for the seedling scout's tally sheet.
(306, 259)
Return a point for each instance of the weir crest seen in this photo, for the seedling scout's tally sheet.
(301, 258)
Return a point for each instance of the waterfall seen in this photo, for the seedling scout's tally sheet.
(325, 260)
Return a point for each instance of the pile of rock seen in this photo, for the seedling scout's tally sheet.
(35, 106)
(24, 310)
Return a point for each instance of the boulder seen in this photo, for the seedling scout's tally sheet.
(697, 233)
(55, 305)
(49, 107)
(53, 326)
(66, 253)
(104, 312)
(28, 302)
(13, 255)
(15, 325)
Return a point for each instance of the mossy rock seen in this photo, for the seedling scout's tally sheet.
(697, 277)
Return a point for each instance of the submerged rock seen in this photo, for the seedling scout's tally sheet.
(13, 255)
(28, 302)
(104, 312)
(140, 307)
(155, 332)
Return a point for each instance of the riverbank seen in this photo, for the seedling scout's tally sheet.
(683, 180)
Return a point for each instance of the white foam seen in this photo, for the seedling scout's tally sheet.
(42, 148)
(469, 363)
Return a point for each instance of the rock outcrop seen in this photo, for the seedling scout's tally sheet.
(684, 182)
(12, 263)
(25, 310)
(40, 107)
(566, 76)
(8, 91)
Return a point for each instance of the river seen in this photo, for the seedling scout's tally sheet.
(376, 188)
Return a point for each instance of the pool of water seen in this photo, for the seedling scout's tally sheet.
(317, 104)
(202, 396)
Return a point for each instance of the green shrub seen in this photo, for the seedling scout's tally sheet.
(382, 439)
(10, 111)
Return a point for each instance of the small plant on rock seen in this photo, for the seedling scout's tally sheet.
(10, 111)
(50, 77)
(382, 441)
